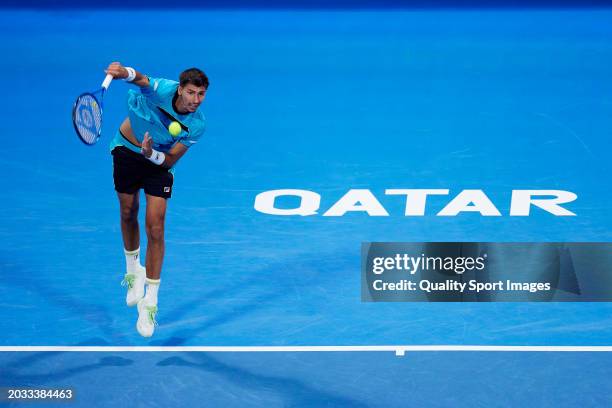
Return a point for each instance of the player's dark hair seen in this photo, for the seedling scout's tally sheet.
(195, 77)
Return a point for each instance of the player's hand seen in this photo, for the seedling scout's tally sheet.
(147, 145)
(117, 70)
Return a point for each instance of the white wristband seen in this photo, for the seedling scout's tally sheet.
(131, 74)
(157, 157)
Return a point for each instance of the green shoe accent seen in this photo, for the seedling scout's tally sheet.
(152, 311)
(128, 280)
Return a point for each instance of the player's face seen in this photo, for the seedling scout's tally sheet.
(191, 96)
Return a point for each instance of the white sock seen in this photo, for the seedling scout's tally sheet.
(152, 288)
(132, 260)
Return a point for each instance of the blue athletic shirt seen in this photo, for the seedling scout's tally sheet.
(150, 109)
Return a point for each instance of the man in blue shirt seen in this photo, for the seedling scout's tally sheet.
(144, 154)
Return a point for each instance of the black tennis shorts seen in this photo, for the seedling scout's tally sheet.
(132, 171)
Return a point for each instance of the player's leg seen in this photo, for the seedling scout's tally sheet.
(158, 188)
(128, 207)
(134, 277)
(155, 219)
(127, 180)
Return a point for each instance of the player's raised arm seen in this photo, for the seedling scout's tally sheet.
(118, 71)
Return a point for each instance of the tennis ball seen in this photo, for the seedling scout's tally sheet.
(174, 128)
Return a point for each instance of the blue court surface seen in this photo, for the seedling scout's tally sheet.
(318, 100)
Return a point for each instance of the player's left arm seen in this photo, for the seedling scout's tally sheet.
(169, 158)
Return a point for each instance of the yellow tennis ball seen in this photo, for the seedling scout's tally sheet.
(174, 128)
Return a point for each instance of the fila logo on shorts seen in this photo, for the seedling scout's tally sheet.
(166, 189)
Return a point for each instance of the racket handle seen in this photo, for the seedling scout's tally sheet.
(107, 81)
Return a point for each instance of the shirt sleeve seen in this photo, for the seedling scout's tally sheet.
(195, 132)
(159, 89)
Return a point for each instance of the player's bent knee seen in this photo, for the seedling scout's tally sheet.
(129, 213)
(155, 232)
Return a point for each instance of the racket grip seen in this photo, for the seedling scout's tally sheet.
(107, 81)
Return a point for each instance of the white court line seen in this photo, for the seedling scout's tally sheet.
(399, 350)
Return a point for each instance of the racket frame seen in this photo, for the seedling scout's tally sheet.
(94, 95)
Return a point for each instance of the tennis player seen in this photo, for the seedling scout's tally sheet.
(144, 154)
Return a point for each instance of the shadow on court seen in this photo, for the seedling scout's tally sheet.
(244, 298)
(95, 314)
(13, 377)
(294, 393)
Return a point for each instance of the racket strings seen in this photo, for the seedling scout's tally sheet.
(88, 118)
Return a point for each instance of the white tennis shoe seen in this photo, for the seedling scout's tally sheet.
(135, 282)
(146, 318)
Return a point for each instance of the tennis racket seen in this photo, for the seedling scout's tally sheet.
(87, 113)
